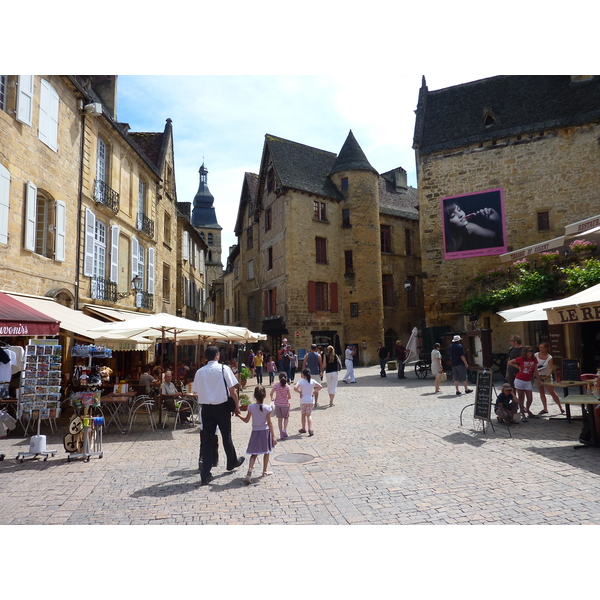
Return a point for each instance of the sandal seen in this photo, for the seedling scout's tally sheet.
(543, 412)
(265, 473)
(562, 412)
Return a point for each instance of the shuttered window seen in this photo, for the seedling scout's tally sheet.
(49, 105)
(4, 203)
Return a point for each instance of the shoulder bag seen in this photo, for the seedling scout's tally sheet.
(230, 401)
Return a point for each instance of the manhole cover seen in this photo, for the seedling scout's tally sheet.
(294, 458)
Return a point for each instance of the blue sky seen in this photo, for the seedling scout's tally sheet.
(222, 121)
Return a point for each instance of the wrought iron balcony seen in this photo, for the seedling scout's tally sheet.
(106, 195)
(144, 300)
(103, 289)
(145, 224)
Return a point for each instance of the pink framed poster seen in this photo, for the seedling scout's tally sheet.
(473, 224)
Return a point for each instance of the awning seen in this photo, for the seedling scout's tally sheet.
(76, 323)
(546, 246)
(17, 318)
(585, 226)
(582, 307)
(114, 314)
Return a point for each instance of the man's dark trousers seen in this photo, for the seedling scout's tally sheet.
(214, 415)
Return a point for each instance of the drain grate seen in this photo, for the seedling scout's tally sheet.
(294, 458)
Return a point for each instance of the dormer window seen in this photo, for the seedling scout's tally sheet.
(489, 118)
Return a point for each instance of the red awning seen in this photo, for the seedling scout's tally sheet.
(17, 318)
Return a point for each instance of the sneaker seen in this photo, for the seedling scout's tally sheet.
(311, 432)
(458, 393)
(468, 391)
(284, 434)
(524, 419)
(248, 478)
(301, 430)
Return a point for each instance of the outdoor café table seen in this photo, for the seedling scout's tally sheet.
(565, 385)
(116, 404)
(588, 403)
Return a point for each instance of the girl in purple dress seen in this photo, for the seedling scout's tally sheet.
(262, 438)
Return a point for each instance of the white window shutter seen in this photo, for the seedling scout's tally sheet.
(135, 252)
(25, 99)
(4, 203)
(90, 234)
(151, 270)
(60, 246)
(185, 245)
(48, 126)
(114, 253)
(30, 216)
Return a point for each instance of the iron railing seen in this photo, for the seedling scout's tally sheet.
(103, 289)
(106, 195)
(145, 224)
(144, 300)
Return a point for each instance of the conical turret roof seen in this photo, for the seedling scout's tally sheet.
(351, 158)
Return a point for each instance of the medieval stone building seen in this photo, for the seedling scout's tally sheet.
(327, 249)
(529, 144)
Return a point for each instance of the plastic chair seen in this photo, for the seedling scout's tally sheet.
(588, 376)
(141, 405)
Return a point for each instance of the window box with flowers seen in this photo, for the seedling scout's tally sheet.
(582, 248)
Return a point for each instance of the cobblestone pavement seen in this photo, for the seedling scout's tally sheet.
(389, 452)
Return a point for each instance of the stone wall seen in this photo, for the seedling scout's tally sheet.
(556, 171)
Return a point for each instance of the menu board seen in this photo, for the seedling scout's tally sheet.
(571, 370)
(483, 395)
(40, 381)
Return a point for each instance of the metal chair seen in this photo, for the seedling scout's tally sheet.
(173, 409)
(141, 405)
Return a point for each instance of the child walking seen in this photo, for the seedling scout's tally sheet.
(282, 393)
(271, 368)
(306, 388)
(262, 438)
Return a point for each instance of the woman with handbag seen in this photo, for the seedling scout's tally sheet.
(333, 366)
(436, 367)
(545, 367)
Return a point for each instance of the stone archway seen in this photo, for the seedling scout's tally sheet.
(62, 296)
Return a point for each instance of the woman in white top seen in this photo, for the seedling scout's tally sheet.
(545, 367)
(436, 366)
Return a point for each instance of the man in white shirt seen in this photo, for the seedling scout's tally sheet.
(213, 383)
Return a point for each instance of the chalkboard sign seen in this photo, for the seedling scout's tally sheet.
(570, 370)
(301, 355)
(483, 395)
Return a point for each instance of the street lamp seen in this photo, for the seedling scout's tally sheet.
(136, 286)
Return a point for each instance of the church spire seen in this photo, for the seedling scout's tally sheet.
(203, 213)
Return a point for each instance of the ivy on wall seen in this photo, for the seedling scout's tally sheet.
(526, 283)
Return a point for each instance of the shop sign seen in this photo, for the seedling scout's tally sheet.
(566, 315)
(14, 330)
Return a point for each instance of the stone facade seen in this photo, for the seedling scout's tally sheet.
(38, 252)
(543, 163)
(310, 260)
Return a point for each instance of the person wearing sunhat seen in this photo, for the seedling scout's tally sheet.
(459, 364)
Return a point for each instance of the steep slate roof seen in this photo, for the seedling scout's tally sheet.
(391, 202)
(302, 167)
(248, 195)
(520, 104)
(351, 157)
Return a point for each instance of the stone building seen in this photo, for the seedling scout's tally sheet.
(527, 143)
(326, 246)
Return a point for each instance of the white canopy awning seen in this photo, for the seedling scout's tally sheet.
(546, 246)
(578, 308)
(80, 325)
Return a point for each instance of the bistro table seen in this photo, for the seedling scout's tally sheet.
(565, 385)
(115, 403)
(588, 403)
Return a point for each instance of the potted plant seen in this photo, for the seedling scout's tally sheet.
(582, 247)
(244, 401)
(245, 374)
